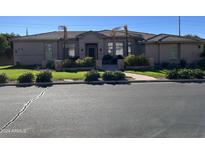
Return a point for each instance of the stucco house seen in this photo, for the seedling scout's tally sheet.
(34, 49)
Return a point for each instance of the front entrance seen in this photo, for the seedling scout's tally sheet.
(92, 50)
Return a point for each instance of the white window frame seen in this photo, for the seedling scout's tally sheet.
(174, 55)
(110, 46)
(119, 48)
(70, 49)
(49, 49)
(129, 47)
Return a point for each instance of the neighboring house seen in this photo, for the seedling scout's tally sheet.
(34, 49)
(171, 48)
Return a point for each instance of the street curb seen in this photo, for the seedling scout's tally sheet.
(101, 82)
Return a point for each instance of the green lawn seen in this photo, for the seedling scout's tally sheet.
(13, 73)
(152, 73)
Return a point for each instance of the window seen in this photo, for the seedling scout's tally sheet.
(49, 51)
(110, 48)
(174, 55)
(129, 48)
(70, 48)
(119, 48)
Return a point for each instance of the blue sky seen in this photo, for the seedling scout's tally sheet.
(150, 24)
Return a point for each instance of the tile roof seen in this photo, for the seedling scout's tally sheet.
(74, 34)
(142, 35)
(50, 35)
(146, 37)
(165, 38)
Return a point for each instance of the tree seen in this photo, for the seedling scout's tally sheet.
(192, 36)
(6, 43)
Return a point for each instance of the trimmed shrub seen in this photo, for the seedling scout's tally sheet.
(110, 76)
(119, 75)
(26, 78)
(198, 74)
(120, 57)
(89, 61)
(130, 60)
(115, 59)
(92, 75)
(50, 64)
(68, 63)
(85, 62)
(173, 74)
(74, 58)
(44, 76)
(185, 74)
(133, 60)
(201, 63)
(3, 78)
(107, 59)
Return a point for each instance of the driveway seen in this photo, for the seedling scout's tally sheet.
(136, 110)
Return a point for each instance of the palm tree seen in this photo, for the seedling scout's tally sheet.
(114, 31)
(64, 28)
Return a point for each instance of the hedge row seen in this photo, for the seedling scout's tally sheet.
(185, 74)
(84, 62)
(134, 60)
(43, 76)
(3, 78)
(94, 75)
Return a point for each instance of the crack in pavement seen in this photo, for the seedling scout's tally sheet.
(22, 110)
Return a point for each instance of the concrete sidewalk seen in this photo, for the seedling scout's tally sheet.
(139, 77)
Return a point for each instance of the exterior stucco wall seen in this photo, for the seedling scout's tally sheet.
(190, 52)
(91, 38)
(166, 53)
(151, 51)
(31, 53)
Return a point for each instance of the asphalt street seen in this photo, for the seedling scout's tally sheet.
(136, 110)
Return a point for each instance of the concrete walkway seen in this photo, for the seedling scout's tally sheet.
(139, 77)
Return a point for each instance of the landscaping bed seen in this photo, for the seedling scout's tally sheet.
(14, 72)
(136, 67)
(27, 77)
(180, 73)
(185, 74)
(77, 68)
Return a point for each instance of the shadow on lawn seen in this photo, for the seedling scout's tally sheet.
(18, 67)
(40, 85)
(111, 82)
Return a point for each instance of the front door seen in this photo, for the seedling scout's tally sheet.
(91, 50)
